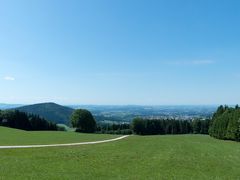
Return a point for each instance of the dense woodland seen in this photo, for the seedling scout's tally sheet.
(225, 123)
(24, 121)
(170, 126)
(107, 128)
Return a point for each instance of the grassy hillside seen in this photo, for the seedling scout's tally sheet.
(50, 111)
(10, 136)
(152, 157)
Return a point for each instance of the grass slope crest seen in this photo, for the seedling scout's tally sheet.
(50, 111)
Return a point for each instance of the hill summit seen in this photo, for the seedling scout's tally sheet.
(50, 111)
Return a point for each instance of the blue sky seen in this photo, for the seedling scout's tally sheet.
(120, 51)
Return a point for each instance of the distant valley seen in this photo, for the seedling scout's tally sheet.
(114, 114)
(126, 113)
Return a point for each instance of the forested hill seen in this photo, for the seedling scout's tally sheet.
(50, 111)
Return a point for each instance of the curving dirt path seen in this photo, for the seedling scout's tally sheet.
(61, 145)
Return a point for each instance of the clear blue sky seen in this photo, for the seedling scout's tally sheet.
(120, 51)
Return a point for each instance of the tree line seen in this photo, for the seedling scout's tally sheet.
(114, 128)
(142, 126)
(225, 123)
(24, 121)
(84, 122)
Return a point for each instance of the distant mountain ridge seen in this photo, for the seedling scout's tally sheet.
(9, 106)
(50, 111)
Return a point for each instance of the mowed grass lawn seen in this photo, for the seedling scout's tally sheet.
(149, 157)
(10, 136)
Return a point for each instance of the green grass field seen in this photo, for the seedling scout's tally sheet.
(18, 137)
(149, 157)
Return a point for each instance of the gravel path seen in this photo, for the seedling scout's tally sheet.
(60, 145)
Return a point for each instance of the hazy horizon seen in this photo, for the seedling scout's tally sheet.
(79, 104)
(120, 52)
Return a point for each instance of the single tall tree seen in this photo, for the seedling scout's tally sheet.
(83, 120)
